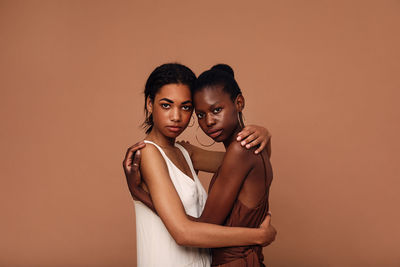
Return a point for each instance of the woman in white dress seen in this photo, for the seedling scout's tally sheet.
(171, 238)
(155, 246)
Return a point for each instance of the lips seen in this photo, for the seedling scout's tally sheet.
(174, 129)
(214, 134)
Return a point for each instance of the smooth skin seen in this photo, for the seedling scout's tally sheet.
(171, 114)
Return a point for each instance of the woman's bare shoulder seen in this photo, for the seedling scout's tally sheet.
(150, 149)
(236, 153)
(151, 158)
(235, 148)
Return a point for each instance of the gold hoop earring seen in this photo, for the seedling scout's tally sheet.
(199, 141)
(194, 121)
(240, 119)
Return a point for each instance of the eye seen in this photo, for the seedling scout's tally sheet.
(165, 105)
(187, 108)
(200, 115)
(217, 110)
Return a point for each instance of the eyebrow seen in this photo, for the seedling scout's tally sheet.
(211, 106)
(215, 104)
(166, 99)
(170, 101)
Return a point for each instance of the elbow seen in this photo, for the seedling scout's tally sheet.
(182, 237)
(181, 240)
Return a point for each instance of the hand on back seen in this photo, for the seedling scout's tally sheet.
(269, 233)
(131, 165)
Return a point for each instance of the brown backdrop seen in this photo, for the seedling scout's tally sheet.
(322, 76)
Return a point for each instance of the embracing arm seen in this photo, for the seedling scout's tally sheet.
(170, 209)
(209, 161)
(203, 160)
(227, 185)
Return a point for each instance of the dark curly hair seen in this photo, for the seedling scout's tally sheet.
(168, 73)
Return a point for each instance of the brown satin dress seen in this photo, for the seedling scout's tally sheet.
(244, 216)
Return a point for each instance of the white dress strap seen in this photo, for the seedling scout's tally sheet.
(202, 191)
(171, 164)
(158, 147)
(188, 159)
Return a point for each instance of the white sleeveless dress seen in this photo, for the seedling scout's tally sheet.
(155, 246)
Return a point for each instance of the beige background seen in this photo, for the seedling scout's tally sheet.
(322, 76)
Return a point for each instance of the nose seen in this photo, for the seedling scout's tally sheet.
(176, 115)
(210, 120)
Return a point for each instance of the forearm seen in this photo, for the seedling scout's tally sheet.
(197, 234)
(144, 197)
(207, 161)
(203, 219)
(139, 194)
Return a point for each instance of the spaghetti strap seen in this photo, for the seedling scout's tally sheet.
(265, 171)
(188, 159)
(158, 147)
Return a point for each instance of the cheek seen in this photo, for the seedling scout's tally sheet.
(159, 115)
(229, 118)
(202, 124)
(186, 117)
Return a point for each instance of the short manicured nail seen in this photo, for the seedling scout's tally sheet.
(239, 138)
(248, 145)
(243, 143)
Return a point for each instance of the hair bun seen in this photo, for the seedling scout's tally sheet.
(225, 68)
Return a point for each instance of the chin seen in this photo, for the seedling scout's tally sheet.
(220, 138)
(172, 135)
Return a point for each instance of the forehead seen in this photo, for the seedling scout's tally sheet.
(211, 95)
(175, 92)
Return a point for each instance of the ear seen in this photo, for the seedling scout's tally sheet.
(149, 105)
(239, 102)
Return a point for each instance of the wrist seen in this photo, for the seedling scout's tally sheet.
(261, 236)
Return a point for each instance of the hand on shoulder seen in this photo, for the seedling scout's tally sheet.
(238, 149)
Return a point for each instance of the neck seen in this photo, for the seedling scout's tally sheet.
(160, 139)
(232, 137)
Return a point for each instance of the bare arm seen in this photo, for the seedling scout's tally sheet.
(203, 160)
(227, 185)
(209, 161)
(170, 209)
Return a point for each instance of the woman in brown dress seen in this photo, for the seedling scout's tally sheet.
(238, 192)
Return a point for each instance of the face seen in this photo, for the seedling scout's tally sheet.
(172, 108)
(216, 113)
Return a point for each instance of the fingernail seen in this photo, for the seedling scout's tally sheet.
(248, 146)
(243, 143)
(256, 152)
(239, 138)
